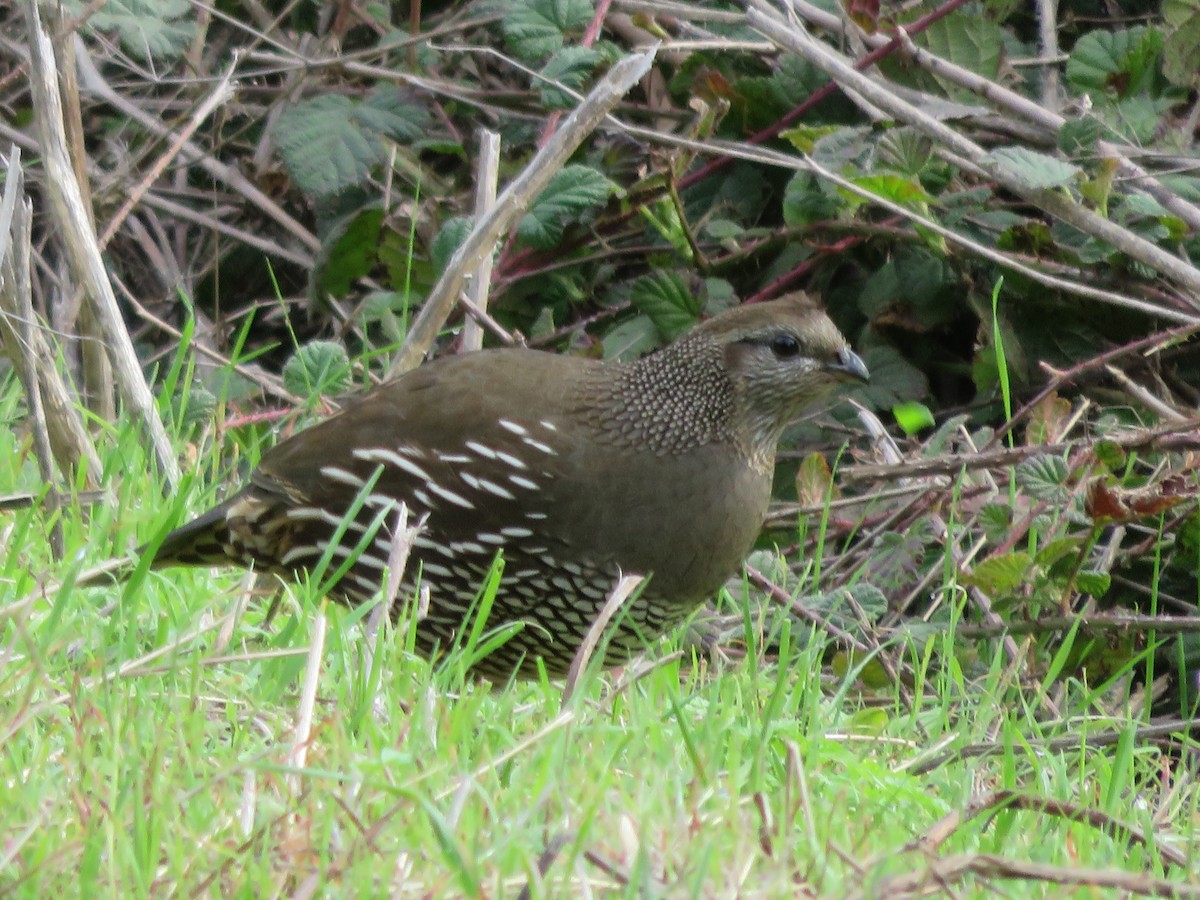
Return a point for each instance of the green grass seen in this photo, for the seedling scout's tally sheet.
(145, 751)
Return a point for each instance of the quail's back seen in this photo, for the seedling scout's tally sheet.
(572, 470)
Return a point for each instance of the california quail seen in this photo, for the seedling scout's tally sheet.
(574, 470)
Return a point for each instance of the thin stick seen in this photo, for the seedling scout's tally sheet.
(79, 238)
(515, 199)
(488, 169)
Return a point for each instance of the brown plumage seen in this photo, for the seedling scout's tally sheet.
(574, 469)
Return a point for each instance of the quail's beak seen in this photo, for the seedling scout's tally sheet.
(850, 366)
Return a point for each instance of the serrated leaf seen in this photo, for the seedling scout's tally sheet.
(569, 66)
(573, 193)
(1044, 478)
(1120, 62)
(1080, 135)
(974, 42)
(1181, 53)
(996, 521)
(1035, 169)
(1001, 574)
(387, 111)
(805, 200)
(533, 29)
(906, 150)
(321, 367)
(897, 188)
(1093, 582)
(148, 29)
(323, 146)
(663, 295)
(449, 239)
(347, 253)
(896, 560)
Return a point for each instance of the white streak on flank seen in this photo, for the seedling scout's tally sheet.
(336, 473)
(467, 547)
(486, 537)
(391, 458)
(524, 483)
(299, 552)
(515, 531)
(375, 562)
(469, 479)
(380, 501)
(513, 461)
(456, 499)
(509, 425)
(367, 584)
(536, 516)
(548, 425)
(492, 488)
(311, 514)
(538, 445)
(453, 458)
(482, 449)
(432, 568)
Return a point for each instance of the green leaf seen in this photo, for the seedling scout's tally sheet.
(570, 66)
(533, 29)
(1118, 62)
(973, 42)
(329, 144)
(148, 29)
(996, 521)
(348, 253)
(804, 137)
(806, 200)
(913, 416)
(1035, 169)
(1093, 582)
(321, 367)
(906, 150)
(1001, 574)
(663, 295)
(1110, 454)
(1058, 549)
(323, 147)
(1080, 135)
(449, 239)
(388, 111)
(572, 193)
(1044, 478)
(897, 188)
(631, 339)
(1181, 53)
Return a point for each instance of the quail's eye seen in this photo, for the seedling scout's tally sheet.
(784, 346)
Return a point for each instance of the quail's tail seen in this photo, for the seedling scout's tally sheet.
(200, 542)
